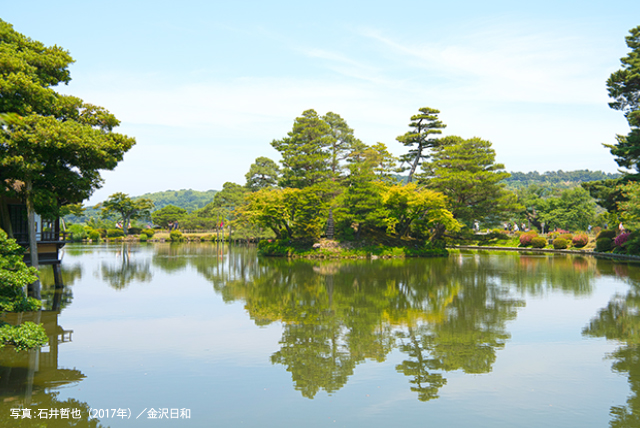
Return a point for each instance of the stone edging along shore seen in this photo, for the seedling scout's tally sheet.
(545, 250)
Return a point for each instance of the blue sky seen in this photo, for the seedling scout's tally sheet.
(205, 86)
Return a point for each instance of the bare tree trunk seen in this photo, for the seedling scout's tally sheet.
(33, 243)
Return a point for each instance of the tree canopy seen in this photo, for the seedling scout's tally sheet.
(624, 89)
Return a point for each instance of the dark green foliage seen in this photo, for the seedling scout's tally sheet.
(134, 231)
(560, 244)
(306, 159)
(604, 245)
(466, 172)
(422, 125)
(263, 173)
(624, 88)
(538, 242)
(168, 214)
(611, 234)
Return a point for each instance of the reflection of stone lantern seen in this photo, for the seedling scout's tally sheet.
(330, 224)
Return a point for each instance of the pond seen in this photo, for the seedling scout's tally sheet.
(199, 335)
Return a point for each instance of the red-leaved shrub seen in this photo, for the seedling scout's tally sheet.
(580, 240)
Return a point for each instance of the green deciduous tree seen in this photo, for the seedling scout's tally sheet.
(624, 88)
(466, 172)
(630, 208)
(419, 139)
(126, 208)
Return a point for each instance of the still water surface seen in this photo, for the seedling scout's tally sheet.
(474, 340)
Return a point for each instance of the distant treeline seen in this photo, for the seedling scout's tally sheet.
(188, 199)
(556, 178)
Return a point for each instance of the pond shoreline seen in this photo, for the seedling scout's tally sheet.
(549, 251)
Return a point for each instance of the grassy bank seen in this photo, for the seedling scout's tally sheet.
(342, 250)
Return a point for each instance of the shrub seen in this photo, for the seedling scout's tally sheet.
(606, 234)
(621, 239)
(525, 238)
(134, 231)
(25, 336)
(143, 237)
(208, 237)
(566, 236)
(94, 235)
(580, 240)
(632, 246)
(596, 230)
(176, 236)
(604, 244)
(77, 233)
(102, 232)
(148, 232)
(560, 244)
(114, 233)
(538, 242)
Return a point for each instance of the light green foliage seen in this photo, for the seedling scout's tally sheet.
(629, 210)
(570, 209)
(624, 88)
(466, 172)
(23, 337)
(263, 173)
(409, 206)
(221, 210)
(176, 236)
(538, 242)
(78, 232)
(14, 277)
(268, 208)
(126, 208)
(560, 244)
(168, 214)
(94, 235)
(14, 274)
(423, 125)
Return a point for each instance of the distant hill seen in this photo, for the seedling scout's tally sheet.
(556, 178)
(188, 199)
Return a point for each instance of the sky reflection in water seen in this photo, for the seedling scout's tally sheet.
(473, 340)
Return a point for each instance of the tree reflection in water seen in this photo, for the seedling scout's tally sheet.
(444, 315)
(125, 269)
(620, 320)
(29, 379)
